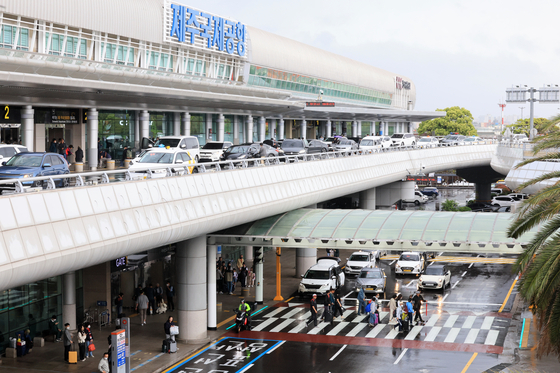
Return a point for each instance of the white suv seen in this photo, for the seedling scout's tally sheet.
(403, 139)
(213, 150)
(189, 143)
(322, 277)
(410, 262)
(503, 201)
(7, 151)
(359, 260)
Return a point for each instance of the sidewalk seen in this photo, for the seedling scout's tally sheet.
(146, 340)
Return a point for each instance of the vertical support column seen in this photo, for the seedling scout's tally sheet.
(329, 129)
(354, 128)
(367, 199)
(235, 130)
(281, 129)
(278, 275)
(262, 129)
(303, 129)
(144, 124)
(305, 258)
(176, 124)
(69, 299)
(289, 129)
(259, 275)
(248, 254)
(28, 125)
(249, 132)
(359, 127)
(93, 134)
(211, 251)
(272, 129)
(186, 118)
(191, 289)
(221, 128)
(483, 192)
(136, 129)
(41, 135)
(208, 128)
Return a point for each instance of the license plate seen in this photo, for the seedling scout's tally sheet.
(407, 270)
(370, 289)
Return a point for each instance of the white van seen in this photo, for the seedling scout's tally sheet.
(376, 142)
(322, 277)
(189, 143)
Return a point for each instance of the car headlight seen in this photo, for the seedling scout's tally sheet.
(242, 156)
(397, 266)
(325, 286)
(27, 175)
(439, 281)
(301, 151)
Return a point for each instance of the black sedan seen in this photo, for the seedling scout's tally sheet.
(247, 151)
(295, 146)
(318, 146)
(482, 207)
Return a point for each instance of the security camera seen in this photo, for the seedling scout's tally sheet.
(321, 91)
(423, 167)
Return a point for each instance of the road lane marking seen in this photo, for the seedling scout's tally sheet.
(469, 362)
(345, 314)
(451, 321)
(453, 333)
(524, 340)
(440, 253)
(318, 328)
(433, 319)
(400, 356)
(341, 325)
(277, 310)
(375, 331)
(492, 337)
(358, 328)
(471, 265)
(226, 321)
(471, 337)
(339, 351)
(264, 324)
(392, 262)
(298, 328)
(474, 304)
(347, 294)
(464, 273)
(487, 323)
(508, 294)
(444, 297)
(433, 334)
(289, 299)
(413, 333)
(292, 313)
(359, 318)
(392, 334)
(382, 315)
(275, 347)
(246, 368)
(281, 326)
(469, 322)
(455, 284)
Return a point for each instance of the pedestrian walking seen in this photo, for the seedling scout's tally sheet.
(142, 306)
(338, 309)
(373, 313)
(53, 328)
(229, 279)
(252, 277)
(103, 366)
(119, 304)
(410, 310)
(62, 148)
(361, 301)
(82, 342)
(53, 147)
(219, 280)
(67, 341)
(243, 276)
(151, 294)
(393, 309)
(399, 313)
(159, 294)
(69, 151)
(313, 309)
(417, 304)
(79, 155)
(170, 294)
(167, 328)
(240, 262)
(89, 341)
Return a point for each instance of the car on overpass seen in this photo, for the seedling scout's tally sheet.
(372, 280)
(435, 277)
(318, 146)
(158, 158)
(453, 140)
(323, 276)
(403, 139)
(430, 191)
(410, 262)
(248, 151)
(428, 142)
(295, 146)
(188, 143)
(359, 260)
(212, 151)
(346, 145)
(473, 140)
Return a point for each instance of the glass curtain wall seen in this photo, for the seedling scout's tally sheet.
(241, 121)
(228, 128)
(255, 129)
(161, 124)
(116, 130)
(198, 125)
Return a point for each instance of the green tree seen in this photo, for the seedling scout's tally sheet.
(539, 264)
(457, 119)
(523, 125)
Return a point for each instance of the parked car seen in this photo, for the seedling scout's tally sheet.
(26, 165)
(294, 146)
(175, 158)
(7, 151)
(188, 143)
(435, 277)
(428, 142)
(498, 191)
(322, 277)
(410, 263)
(345, 145)
(519, 138)
(318, 146)
(503, 201)
(372, 280)
(453, 140)
(359, 260)
(247, 151)
(212, 151)
(418, 198)
(430, 191)
(473, 141)
(482, 207)
(519, 196)
(384, 141)
(403, 139)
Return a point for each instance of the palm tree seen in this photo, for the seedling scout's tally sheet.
(539, 264)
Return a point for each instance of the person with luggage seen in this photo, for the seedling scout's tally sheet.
(167, 328)
(89, 341)
(410, 310)
(373, 316)
(417, 304)
(103, 365)
(338, 309)
(361, 301)
(313, 309)
(67, 341)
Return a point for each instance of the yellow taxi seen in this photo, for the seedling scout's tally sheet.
(159, 159)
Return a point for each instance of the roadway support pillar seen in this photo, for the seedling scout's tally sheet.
(137, 129)
(249, 132)
(359, 128)
(144, 124)
(259, 276)
(262, 129)
(191, 289)
(211, 251)
(235, 130)
(303, 129)
(329, 129)
(281, 129)
(248, 255)
(69, 300)
(208, 130)
(483, 192)
(278, 275)
(272, 129)
(28, 125)
(305, 258)
(221, 128)
(176, 124)
(354, 128)
(186, 123)
(93, 134)
(367, 199)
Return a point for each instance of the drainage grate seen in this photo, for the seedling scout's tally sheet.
(498, 368)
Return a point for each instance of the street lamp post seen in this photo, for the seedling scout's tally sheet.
(548, 94)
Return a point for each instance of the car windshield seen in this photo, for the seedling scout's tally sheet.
(345, 142)
(470, 139)
(409, 258)
(431, 271)
(25, 161)
(292, 144)
(157, 157)
(451, 138)
(329, 139)
(316, 275)
(358, 258)
(172, 143)
(370, 274)
(425, 139)
(238, 150)
(367, 143)
(397, 136)
(213, 145)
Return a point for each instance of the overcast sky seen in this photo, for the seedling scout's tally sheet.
(458, 53)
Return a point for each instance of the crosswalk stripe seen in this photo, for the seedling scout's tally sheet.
(452, 335)
(451, 321)
(359, 318)
(469, 322)
(264, 324)
(487, 323)
(282, 325)
(292, 313)
(318, 328)
(392, 334)
(375, 331)
(341, 325)
(471, 337)
(492, 337)
(413, 333)
(298, 328)
(346, 313)
(433, 334)
(382, 315)
(358, 328)
(277, 310)
(433, 319)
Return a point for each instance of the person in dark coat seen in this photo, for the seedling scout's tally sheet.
(151, 294)
(62, 148)
(167, 328)
(53, 147)
(79, 155)
(170, 294)
(313, 309)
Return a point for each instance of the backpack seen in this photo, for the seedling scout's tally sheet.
(368, 308)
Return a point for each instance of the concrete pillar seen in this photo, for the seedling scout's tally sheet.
(303, 129)
(28, 127)
(289, 129)
(367, 199)
(272, 129)
(329, 129)
(281, 129)
(388, 194)
(483, 192)
(259, 277)
(221, 128)
(136, 129)
(262, 129)
(144, 124)
(208, 127)
(211, 251)
(69, 300)
(354, 128)
(359, 125)
(176, 124)
(40, 136)
(248, 254)
(249, 132)
(93, 134)
(186, 119)
(235, 130)
(191, 289)
(305, 258)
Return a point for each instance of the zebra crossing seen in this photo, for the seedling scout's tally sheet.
(445, 327)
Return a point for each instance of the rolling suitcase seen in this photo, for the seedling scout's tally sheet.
(165, 346)
(169, 346)
(328, 314)
(172, 346)
(73, 357)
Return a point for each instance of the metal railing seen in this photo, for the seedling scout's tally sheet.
(106, 177)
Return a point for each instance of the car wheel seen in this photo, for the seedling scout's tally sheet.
(413, 143)
(195, 170)
(65, 183)
(271, 155)
(416, 202)
(402, 143)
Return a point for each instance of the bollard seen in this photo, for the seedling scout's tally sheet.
(127, 163)
(110, 164)
(78, 167)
